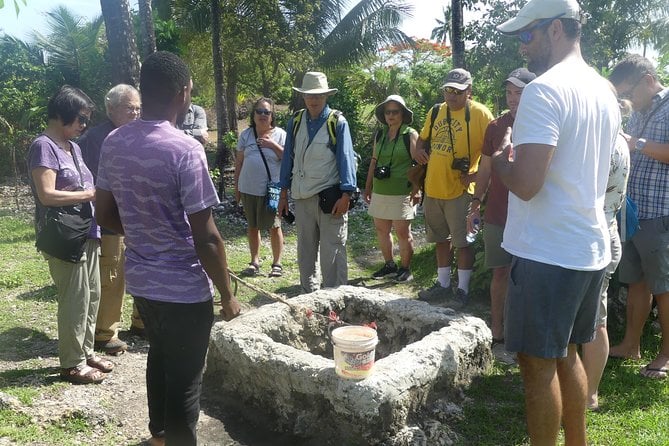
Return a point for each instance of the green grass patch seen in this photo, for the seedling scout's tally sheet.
(634, 409)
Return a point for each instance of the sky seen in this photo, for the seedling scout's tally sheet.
(31, 17)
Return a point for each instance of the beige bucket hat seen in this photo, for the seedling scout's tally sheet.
(315, 82)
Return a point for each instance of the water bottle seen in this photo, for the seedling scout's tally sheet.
(471, 236)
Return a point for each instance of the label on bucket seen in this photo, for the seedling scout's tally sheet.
(355, 365)
(354, 351)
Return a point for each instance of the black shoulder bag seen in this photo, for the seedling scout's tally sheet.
(65, 229)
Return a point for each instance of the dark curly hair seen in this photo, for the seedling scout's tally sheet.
(162, 77)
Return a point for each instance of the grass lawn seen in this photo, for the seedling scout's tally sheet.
(634, 410)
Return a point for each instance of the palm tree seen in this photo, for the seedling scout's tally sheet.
(457, 26)
(121, 40)
(147, 33)
(70, 44)
(442, 32)
(367, 26)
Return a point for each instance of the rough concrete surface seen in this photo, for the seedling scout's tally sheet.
(273, 366)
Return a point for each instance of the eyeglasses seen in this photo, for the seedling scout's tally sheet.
(455, 91)
(83, 119)
(135, 110)
(395, 111)
(263, 112)
(628, 94)
(526, 35)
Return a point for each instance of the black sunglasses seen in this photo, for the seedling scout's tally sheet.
(265, 112)
(83, 120)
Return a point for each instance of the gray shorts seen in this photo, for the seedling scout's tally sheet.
(446, 219)
(549, 307)
(646, 256)
(495, 255)
(257, 214)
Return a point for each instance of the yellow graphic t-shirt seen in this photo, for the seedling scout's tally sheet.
(442, 181)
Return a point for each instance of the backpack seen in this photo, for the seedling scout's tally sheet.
(407, 139)
(331, 124)
(417, 172)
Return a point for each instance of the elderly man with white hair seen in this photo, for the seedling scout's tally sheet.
(122, 104)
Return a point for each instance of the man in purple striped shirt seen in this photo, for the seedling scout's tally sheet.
(154, 187)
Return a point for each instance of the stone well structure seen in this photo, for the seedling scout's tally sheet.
(274, 364)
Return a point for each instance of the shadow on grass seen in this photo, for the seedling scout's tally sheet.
(21, 343)
(40, 377)
(498, 399)
(44, 294)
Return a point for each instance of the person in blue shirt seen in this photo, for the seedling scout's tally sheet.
(321, 177)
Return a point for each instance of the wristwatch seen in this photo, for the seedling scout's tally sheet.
(639, 144)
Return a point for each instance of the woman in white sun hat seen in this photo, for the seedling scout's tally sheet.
(388, 190)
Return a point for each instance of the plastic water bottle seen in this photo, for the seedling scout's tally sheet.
(471, 236)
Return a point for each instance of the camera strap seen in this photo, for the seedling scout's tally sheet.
(450, 130)
(383, 143)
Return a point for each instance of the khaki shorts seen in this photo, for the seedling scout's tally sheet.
(446, 219)
(257, 214)
(392, 207)
(495, 255)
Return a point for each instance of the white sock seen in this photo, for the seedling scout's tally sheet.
(463, 279)
(444, 276)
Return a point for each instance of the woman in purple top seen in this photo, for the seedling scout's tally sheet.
(59, 177)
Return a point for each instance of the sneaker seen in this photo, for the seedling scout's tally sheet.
(435, 292)
(460, 299)
(111, 347)
(403, 275)
(389, 268)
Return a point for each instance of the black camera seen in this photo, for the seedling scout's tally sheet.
(381, 172)
(289, 217)
(461, 164)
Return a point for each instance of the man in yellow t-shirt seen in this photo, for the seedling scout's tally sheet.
(455, 139)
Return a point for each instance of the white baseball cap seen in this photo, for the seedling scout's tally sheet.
(541, 9)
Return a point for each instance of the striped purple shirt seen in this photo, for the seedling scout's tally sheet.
(158, 176)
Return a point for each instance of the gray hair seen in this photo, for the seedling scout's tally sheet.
(117, 93)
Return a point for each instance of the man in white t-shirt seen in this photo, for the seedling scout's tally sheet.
(556, 229)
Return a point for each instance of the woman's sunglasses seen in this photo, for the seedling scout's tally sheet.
(83, 120)
(263, 112)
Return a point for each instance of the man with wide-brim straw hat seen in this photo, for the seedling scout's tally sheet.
(389, 194)
(319, 169)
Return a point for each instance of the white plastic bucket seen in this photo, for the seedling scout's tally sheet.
(354, 350)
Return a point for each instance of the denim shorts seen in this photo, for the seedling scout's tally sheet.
(549, 307)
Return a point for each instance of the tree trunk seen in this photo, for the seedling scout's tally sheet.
(222, 125)
(147, 33)
(458, 42)
(121, 40)
(231, 95)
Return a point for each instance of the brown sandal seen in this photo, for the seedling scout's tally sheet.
(101, 364)
(83, 374)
